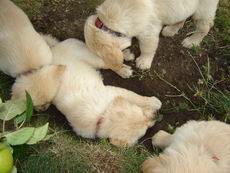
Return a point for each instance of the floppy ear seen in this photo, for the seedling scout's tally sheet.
(104, 45)
(42, 85)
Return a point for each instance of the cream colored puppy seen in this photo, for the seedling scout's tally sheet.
(21, 48)
(196, 147)
(110, 31)
(93, 109)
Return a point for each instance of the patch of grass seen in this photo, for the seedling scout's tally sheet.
(67, 153)
(32, 7)
(222, 21)
(220, 38)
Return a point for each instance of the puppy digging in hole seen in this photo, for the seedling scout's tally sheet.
(109, 31)
(92, 109)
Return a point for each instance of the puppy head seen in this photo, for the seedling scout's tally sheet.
(125, 122)
(105, 45)
(128, 17)
(42, 85)
(189, 161)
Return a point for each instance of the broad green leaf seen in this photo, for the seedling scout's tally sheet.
(14, 170)
(29, 107)
(39, 134)
(0, 101)
(20, 136)
(11, 109)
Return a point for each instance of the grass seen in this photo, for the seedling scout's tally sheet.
(222, 21)
(68, 154)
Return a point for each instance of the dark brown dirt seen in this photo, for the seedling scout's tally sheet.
(65, 19)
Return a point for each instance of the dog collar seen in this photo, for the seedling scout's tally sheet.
(99, 24)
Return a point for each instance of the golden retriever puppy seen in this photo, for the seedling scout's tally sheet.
(21, 48)
(92, 109)
(116, 21)
(48, 77)
(196, 147)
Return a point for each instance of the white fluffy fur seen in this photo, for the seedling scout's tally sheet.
(84, 99)
(144, 19)
(21, 48)
(196, 147)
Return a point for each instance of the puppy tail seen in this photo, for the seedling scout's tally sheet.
(49, 39)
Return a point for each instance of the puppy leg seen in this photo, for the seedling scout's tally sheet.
(128, 55)
(139, 100)
(148, 46)
(162, 139)
(125, 71)
(203, 17)
(202, 29)
(172, 30)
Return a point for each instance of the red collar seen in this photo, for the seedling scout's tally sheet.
(98, 125)
(100, 25)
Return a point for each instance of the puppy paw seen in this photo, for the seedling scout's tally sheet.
(159, 138)
(155, 103)
(128, 55)
(190, 42)
(169, 31)
(125, 72)
(119, 142)
(144, 63)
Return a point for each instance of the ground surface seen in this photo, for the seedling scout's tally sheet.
(173, 65)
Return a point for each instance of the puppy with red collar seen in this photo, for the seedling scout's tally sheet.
(92, 109)
(109, 32)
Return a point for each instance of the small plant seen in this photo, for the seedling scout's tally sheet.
(15, 113)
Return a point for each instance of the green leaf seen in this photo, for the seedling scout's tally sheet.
(29, 107)
(19, 119)
(20, 136)
(11, 109)
(14, 170)
(39, 134)
(0, 101)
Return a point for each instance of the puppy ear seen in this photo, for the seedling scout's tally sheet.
(104, 45)
(112, 56)
(42, 85)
